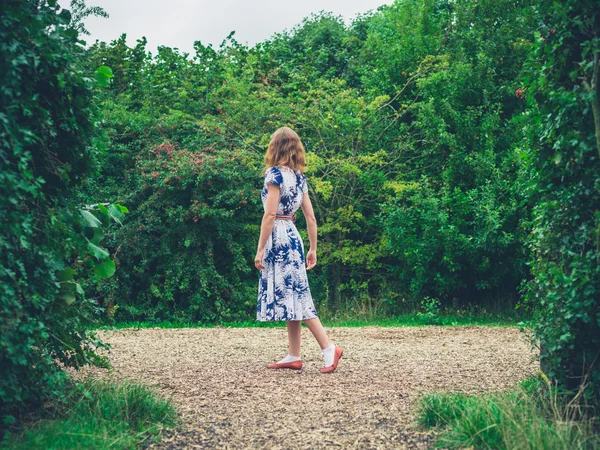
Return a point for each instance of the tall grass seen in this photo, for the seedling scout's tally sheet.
(535, 416)
(99, 415)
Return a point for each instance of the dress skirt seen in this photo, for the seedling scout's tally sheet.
(283, 291)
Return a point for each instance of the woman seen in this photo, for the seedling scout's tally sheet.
(283, 292)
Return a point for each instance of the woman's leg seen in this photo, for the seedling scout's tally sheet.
(331, 353)
(315, 327)
(294, 337)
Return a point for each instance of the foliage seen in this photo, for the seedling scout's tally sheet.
(99, 415)
(561, 161)
(406, 117)
(534, 416)
(47, 125)
(430, 310)
(206, 207)
(454, 229)
(453, 159)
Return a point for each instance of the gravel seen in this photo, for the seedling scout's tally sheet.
(228, 399)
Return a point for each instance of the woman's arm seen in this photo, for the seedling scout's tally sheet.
(311, 223)
(266, 225)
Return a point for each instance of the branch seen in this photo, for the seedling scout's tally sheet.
(594, 88)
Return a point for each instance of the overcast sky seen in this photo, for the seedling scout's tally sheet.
(178, 23)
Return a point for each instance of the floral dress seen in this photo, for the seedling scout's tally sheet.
(283, 292)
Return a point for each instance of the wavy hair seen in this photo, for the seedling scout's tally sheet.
(285, 149)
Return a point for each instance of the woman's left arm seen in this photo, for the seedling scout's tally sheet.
(267, 223)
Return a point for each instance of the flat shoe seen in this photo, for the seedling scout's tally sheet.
(336, 358)
(295, 365)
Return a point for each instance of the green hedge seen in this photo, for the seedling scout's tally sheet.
(48, 116)
(562, 161)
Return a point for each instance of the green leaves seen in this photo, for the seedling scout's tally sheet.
(65, 274)
(97, 252)
(117, 213)
(395, 96)
(562, 161)
(95, 235)
(90, 219)
(103, 266)
(68, 287)
(103, 76)
(105, 269)
(49, 123)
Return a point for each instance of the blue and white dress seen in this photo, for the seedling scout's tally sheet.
(283, 292)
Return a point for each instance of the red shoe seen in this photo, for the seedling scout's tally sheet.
(336, 358)
(295, 365)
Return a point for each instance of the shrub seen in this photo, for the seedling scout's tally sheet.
(47, 124)
(405, 117)
(186, 251)
(562, 167)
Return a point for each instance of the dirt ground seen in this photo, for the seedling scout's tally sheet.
(229, 400)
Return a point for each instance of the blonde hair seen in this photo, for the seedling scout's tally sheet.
(285, 149)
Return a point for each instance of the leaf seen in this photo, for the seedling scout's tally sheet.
(105, 269)
(103, 209)
(79, 289)
(122, 208)
(103, 75)
(98, 236)
(97, 252)
(71, 33)
(66, 274)
(105, 70)
(67, 292)
(91, 219)
(57, 264)
(65, 15)
(95, 235)
(116, 214)
(67, 298)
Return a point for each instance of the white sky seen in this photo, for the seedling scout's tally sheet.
(178, 23)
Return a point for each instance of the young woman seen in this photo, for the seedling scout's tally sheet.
(283, 292)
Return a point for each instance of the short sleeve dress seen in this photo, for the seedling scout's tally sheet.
(283, 291)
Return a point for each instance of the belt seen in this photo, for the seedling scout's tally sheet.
(286, 217)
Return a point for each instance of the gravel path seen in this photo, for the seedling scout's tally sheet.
(228, 399)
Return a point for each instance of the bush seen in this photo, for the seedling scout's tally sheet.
(562, 167)
(185, 252)
(48, 116)
(454, 229)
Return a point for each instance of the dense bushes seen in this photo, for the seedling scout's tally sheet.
(562, 163)
(413, 118)
(183, 253)
(47, 125)
(455, 233)
(407, 108)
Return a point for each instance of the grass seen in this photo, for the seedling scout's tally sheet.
(406, 320)
(530, 418)
(99, 415)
